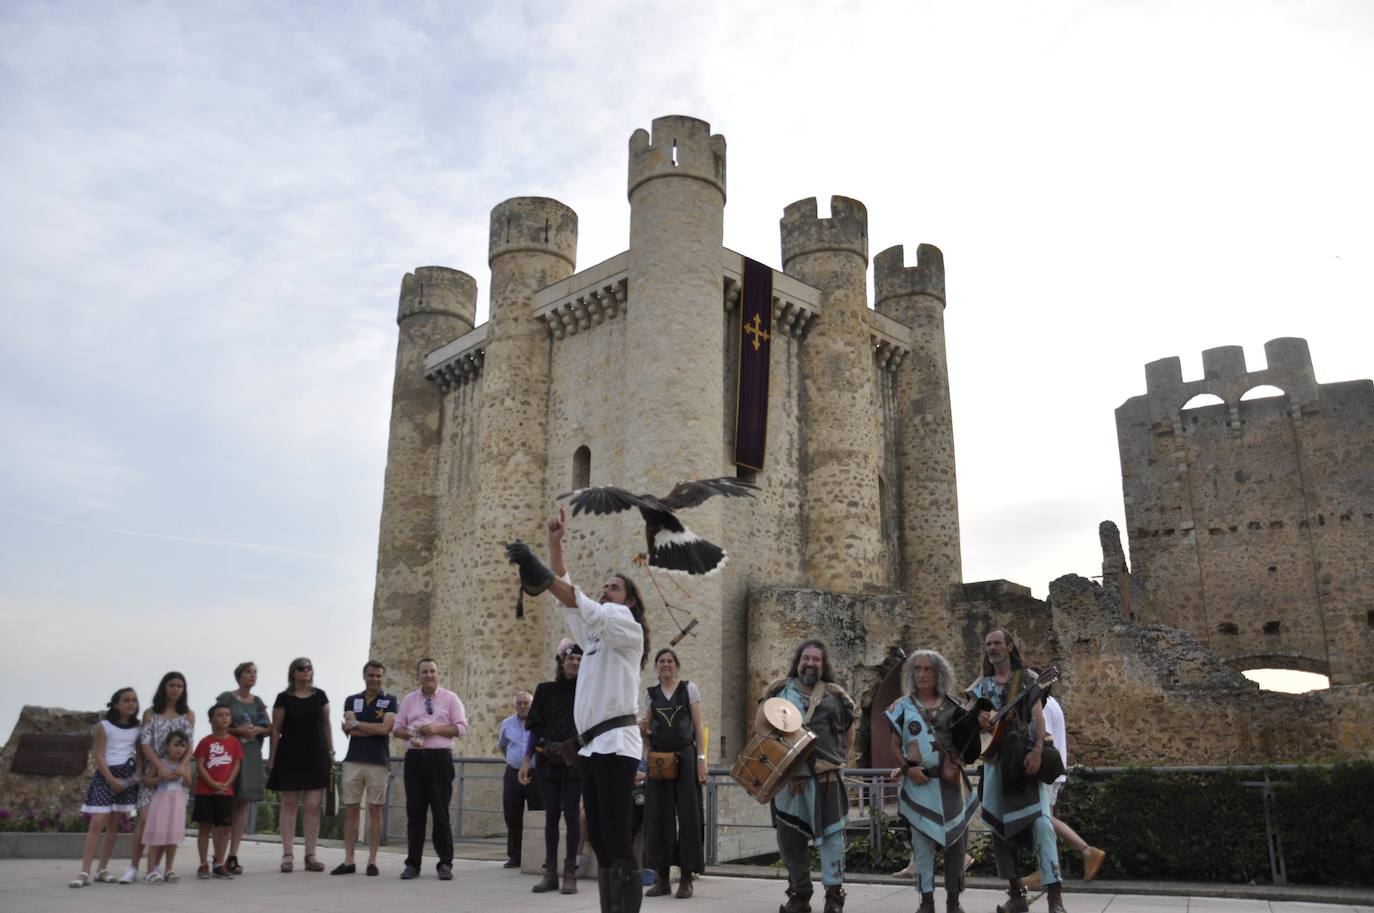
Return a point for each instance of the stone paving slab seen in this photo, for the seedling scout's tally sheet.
(40, 886)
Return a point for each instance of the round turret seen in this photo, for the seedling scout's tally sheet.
(679, 147)
(892, 278)
(846, 231)
(438, 290)
(533, 225)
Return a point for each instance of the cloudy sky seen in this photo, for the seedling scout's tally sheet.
(208, 211)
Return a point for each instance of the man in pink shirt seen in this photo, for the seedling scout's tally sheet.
(429, 720)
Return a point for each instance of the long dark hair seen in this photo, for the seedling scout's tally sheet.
(827, 674)
(1016, 661)
(112, 708)
(637, 610)
(160, 698)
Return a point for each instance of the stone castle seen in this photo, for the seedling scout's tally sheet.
(1251, 521)
(625, 374)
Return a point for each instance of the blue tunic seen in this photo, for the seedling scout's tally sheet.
(817, 808)
(1009, 808)
(940, 810)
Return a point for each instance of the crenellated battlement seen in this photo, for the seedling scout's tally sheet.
(1224, 374)
(438, 290)
(680, 146)
(892, 278)
(533, 224)
(803, 232)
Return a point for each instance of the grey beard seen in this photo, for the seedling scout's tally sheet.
(809, 677)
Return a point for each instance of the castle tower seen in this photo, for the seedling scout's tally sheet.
(674, 326)
(915, 296)
(436, 305)
(843, 442)
(675, 340)
(533, 244)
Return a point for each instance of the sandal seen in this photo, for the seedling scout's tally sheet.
(171, 878)
(80, 881)
(232, 864)
(313, 865)
(286, 863)
(104, 877)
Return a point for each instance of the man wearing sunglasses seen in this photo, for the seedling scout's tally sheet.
(429, 720)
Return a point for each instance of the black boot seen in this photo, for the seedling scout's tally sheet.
(797, 901)
(927, 902)
(1056, 897)
(834, 898)
(1016, 899)
(662, 885)
(569, 878)
(631, 886)
(952, 901)
(550, 879)
(608, 892)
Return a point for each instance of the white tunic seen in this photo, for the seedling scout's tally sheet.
(608, 679)
(1054, 724)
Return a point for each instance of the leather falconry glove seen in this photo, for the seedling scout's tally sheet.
(535, 577)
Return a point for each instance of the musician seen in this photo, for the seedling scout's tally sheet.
(1016, 805)
(811, 808)
(615, 636)
(936, 797)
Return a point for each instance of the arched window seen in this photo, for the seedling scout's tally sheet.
(1204, 399)
(1263, 391)
(582, 467)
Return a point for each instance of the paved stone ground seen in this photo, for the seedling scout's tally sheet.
(479, 885)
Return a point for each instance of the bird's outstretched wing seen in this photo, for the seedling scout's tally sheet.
(605, 500)
(690, 494)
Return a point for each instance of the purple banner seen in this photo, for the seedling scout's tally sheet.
(755, 338)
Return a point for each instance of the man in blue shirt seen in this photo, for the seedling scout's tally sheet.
(514, 795)
(367, 721)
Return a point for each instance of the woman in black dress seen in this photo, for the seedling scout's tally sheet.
(672, 807)
(550, 722)
(299, 762)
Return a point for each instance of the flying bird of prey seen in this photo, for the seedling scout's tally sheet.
(672, 546)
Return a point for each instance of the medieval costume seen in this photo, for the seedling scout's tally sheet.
(938, 811)
(812, 808)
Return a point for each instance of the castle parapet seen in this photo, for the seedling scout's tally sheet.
(680, 146)
(803, 232)
(892, 278)
(438, 290)
(533, 225)
(1224, 375)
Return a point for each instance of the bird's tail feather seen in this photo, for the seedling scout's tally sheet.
(686, 553)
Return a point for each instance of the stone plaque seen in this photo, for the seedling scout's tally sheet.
(51, 755)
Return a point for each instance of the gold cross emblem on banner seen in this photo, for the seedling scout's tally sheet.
(756, 330)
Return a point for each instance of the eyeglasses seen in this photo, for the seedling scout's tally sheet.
(305, 669)
(429, 705)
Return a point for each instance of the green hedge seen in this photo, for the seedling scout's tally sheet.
(1210, 827)
(1194, 827)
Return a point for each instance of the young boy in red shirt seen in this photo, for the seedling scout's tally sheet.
(218, 757)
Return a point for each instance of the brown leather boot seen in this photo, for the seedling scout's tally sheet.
(661, 885)
(1016, 899)
(1055, 896)
(569, 878)
(550, 880)
(684, 885)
